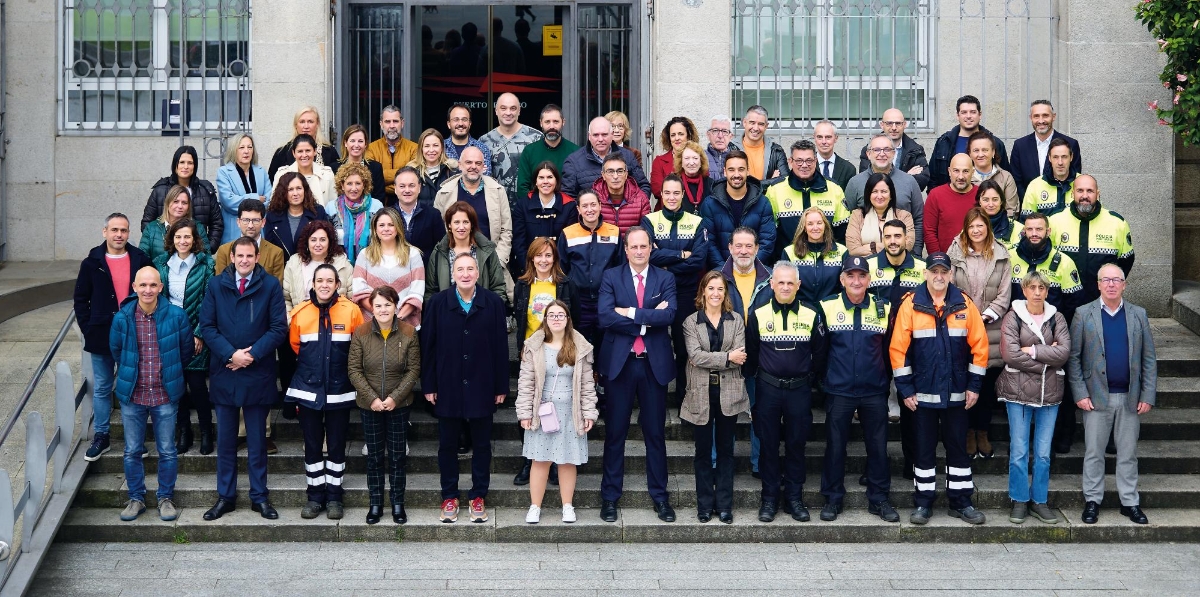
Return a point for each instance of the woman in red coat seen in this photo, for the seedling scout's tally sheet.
(675, 135)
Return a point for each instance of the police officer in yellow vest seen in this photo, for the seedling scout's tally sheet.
(1092, 235)
(1051, 192)
(678, 244)
(858, 377)
(1036, 251)
(785, 348)
(802, 188)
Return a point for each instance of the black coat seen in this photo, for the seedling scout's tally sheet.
(563, 291)
(530, 221)
(843, 170)
(430, 186)
(96, 299)
(943, 150)
(283, 157)
(1024, 160)
(279, 232)
(913, 155)
(425, 230)
(464, 356)
(206, 208)
(229, 322)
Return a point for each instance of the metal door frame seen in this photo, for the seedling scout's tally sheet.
(639, 112)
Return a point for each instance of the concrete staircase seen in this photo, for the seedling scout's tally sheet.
(1169, 464)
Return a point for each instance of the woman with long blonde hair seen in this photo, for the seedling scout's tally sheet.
(389, 260)
(306, 122)
(432, 165)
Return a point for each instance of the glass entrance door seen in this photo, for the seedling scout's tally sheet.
(472, 54)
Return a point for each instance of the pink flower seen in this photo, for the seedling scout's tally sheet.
(1163, 122)
(1162, 43)
(1176, 99)
(1167, 84)
(1152, 105)
(1181, 77)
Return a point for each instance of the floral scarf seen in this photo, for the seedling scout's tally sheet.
(356, 226)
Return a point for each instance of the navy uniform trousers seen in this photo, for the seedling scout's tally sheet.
(636, 380)
(787, 415)
(952, 423)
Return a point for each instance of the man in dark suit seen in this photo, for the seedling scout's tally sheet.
(909, 156)
(1029, 153)
(831, 165)
(636, 308)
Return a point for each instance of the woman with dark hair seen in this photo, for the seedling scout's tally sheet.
(715, 337)
(307, 121)
(385, 363)
(981, 146)
(674, 136)
(319, 176)
(389, 260)
(991, 199)
(432, 165)
(691, 165)
(586, 249)
(353, 209)
(817, 257)
(185, 269)
(556, 368)
(178, 207)
(544, 213)
(354, 149)
(206, 208)
(864, 233)
(292, 207)
(983, 271)
(463, 236)
(320, 333)
(317, 244)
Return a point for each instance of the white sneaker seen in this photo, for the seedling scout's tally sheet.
(364, 449)
(568, 513)
(534, 515)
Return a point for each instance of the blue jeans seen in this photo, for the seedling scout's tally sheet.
(104, 370)
(1019, 418)
(133, 416)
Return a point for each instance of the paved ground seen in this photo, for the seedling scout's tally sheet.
(575, 570)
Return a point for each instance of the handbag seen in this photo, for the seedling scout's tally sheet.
(548, 414)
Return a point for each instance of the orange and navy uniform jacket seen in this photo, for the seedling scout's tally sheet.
(939, 352)
(320, 335)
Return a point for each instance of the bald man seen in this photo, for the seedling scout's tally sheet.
(582, 168)
(909, 156)
(948, 204)
(485, 195)
(506, 143)
(151, 340)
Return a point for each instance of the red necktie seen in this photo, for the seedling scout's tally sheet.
(639, 346)
(242, 286)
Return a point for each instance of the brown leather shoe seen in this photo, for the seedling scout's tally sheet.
(984, 446)
(971, 448)
(271, 447)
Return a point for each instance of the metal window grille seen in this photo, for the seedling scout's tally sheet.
(124, 61)
(374, 51)
(605, 48)
(845, 60)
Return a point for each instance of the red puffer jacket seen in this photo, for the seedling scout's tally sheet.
(629, 211)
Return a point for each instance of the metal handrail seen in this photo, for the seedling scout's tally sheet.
(37, 376)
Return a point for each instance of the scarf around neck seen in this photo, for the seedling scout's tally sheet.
(355, 224)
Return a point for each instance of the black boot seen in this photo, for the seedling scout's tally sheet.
(522, 477)
(206, 438)
(553, 474)
(184, 430)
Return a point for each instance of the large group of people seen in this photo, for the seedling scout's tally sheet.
(758, 280)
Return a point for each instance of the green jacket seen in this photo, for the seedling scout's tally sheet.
(193, 296)
(152, 240)
(491, 273)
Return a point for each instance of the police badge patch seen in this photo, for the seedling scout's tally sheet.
(1064, 238)
(841, 317)
(1045, 195)
(770, 326)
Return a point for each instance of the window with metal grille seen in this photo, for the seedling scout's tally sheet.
(126, 61)
(845, 60)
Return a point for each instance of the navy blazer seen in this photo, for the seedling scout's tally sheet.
(616, 290)
(1024, 166)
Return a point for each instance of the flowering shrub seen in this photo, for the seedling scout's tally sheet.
(1176, 26)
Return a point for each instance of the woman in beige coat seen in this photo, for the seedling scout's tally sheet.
(556, 369)
(982, 270)
(1036, 346)
(716, 393)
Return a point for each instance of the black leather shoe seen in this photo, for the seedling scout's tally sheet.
(1091, 513)
(704, 515)
(522, 477)
(399, 516)
(186, 438)
(798, 510)
(1111, 448)
(766, 512)
(862, 480)
(608, 511)
(1062, 447)
(665, 512)
(553, 478)
(206, 439)
(374, 513)
(1135, 514)
(830, 512)
(725, 516)
(221, 508)
(756, 474)
(884, 510)
(266, 509)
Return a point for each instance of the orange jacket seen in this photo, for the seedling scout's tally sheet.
(938, 353)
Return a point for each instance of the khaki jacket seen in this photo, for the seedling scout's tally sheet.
(270, 257)
(498, 212)
(381, 368)
(703, 358)
(1038, 380)
(533, 377)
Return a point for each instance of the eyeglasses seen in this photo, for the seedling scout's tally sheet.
(616, 172)
(556, 316)
(460, 120)
(893, 123)
(250, 220)
(882, 150)
(804, 162)
(1112, 280)
(721, 132)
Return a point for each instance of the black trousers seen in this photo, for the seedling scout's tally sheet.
(385, 430)
(979, 417)
(1064, 425)
(908, 435)
(327, 427)
(952, 423)
(714, 488)
(787, 415)
(686, 308)
(636, 381)
(449, 429)
(873, 414)
(196, 398)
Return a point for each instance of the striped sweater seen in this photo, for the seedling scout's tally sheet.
(408, 280)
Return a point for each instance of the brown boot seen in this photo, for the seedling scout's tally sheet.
(985, 447)
(971, 443)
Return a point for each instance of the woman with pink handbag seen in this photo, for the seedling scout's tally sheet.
(556, 404)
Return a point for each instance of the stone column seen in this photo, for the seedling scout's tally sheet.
(691, 69)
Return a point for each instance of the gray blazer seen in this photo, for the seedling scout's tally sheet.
(1086, 365)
